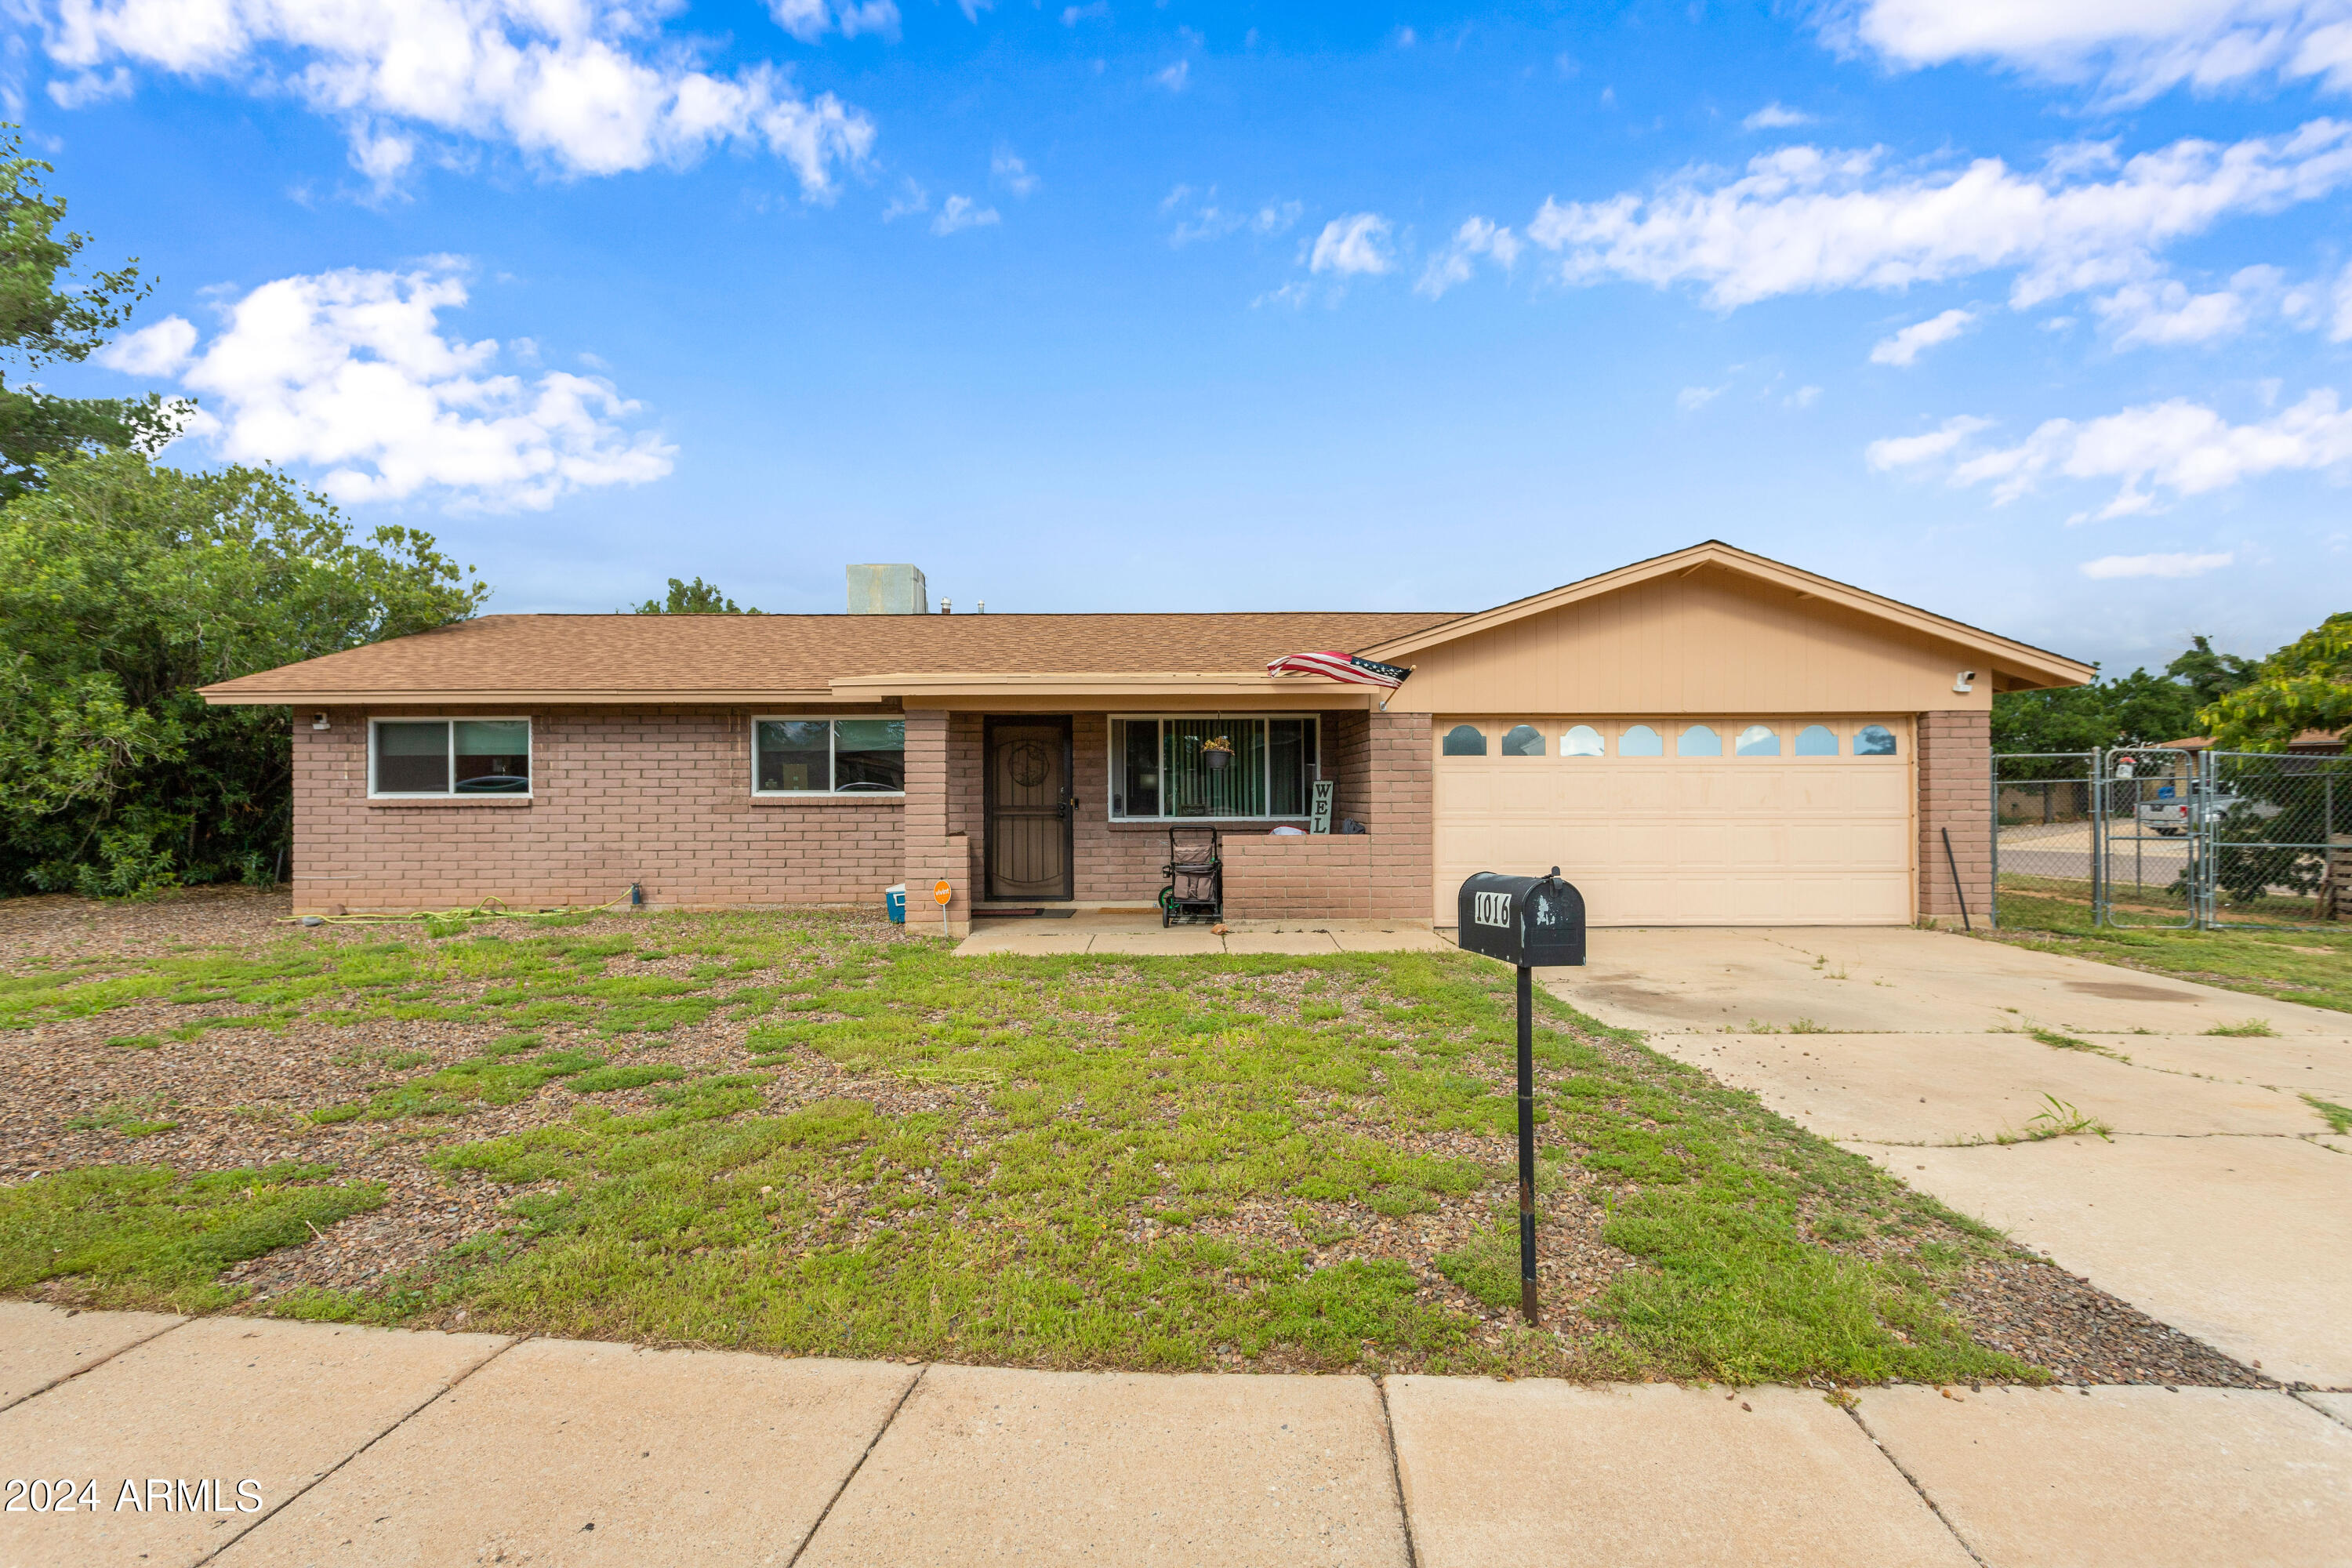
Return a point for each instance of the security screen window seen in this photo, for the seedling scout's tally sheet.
(453, 757)
(829, 756)
(1219, 765)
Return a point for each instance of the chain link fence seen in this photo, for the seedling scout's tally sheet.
(2157, 838)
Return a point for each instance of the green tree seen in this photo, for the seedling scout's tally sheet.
(2211, 675)
(2307, 684)
(47, 315)
(695, 598)
(125, 586)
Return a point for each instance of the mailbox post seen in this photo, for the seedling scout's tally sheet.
(1528, 922)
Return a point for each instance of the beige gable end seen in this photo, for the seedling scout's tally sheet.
(1705, 640)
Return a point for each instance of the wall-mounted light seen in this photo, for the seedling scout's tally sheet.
(1965, 682)
(320, 723)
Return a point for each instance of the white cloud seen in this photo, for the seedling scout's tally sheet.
(1801, 219)
(92, 87)
(348, 372)
(2339, 320)
(1356, 243)
(585, 86)
(1074, 15)
(809, 20)
(1803, 397)
(1691, 399)
(1908, 345)
(1477, 236)
(2132, 50)
(159, 349)
(1901, 451)
(1174, 78)
(2165, 314)
(911, 199)
(1207, 220)
(1774, 116)
(2178, 446)
(2174, 565)
(962, 213)
(1012, 173)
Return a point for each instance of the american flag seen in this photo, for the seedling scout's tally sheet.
(1339, 667)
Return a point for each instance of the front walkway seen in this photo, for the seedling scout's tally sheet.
(2215, 1198)
(1141, 935)
(249, 1441)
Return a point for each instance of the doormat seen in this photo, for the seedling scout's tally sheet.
(1022, 914)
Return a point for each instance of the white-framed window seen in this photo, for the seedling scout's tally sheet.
(1166, 767)
(859, 754)
(413, 757)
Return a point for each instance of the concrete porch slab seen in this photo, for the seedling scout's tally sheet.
(1945, 1089)
(1399, 938)
(220, 1400)
(997, 1465)
(2239, 1241)
(676, 1457)
(1555, 1473)
(2134, 1477)
(1891, 979)
(41, 1345)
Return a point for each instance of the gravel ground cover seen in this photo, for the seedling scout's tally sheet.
(813, 1132)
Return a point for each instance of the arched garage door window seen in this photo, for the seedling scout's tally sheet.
(1640, 741)
(1524, 740)
(1698, 741)
(1466, 740)
(1873, 741)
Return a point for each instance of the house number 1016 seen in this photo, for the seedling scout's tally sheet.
(1492, 908)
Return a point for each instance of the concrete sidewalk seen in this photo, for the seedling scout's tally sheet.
(248, 1441)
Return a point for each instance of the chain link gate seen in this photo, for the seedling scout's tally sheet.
(2280, 838)
(2153, 837)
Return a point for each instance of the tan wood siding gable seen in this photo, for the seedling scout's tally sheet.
(1707, 641)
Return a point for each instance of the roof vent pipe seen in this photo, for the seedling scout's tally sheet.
(947, 606)
(888, 590)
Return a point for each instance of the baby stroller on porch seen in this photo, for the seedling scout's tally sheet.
(1196, 878)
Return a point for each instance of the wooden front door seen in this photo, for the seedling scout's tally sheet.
(1029, 808)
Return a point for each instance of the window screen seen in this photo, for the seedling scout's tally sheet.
(829, 756)
(446, 756)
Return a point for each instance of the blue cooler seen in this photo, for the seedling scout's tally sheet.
(895, 899)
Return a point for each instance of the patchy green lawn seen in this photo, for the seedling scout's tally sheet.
(806, 1133)
(2310, 965)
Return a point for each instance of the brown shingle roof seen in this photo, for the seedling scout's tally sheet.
(713, 657)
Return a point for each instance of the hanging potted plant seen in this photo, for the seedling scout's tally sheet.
(1217, 753)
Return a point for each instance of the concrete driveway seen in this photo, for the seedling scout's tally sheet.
(2215, 1199)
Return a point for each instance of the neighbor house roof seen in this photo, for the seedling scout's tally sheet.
(2012, 665)
(760, 658)
(2320, 741)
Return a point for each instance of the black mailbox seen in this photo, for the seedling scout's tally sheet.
(1534, 921)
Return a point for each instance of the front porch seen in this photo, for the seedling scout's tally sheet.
(1031, 810)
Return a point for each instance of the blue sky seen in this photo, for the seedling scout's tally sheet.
(2037, 315)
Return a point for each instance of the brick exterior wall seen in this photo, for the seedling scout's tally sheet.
(1315, 876)
(1956, 793)
(659, 796)
(1399, 813)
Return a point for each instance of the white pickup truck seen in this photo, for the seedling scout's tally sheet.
(2171, 818)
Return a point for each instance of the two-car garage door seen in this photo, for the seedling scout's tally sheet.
(1685, 821)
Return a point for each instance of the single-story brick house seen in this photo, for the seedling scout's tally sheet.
(1705, 738)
